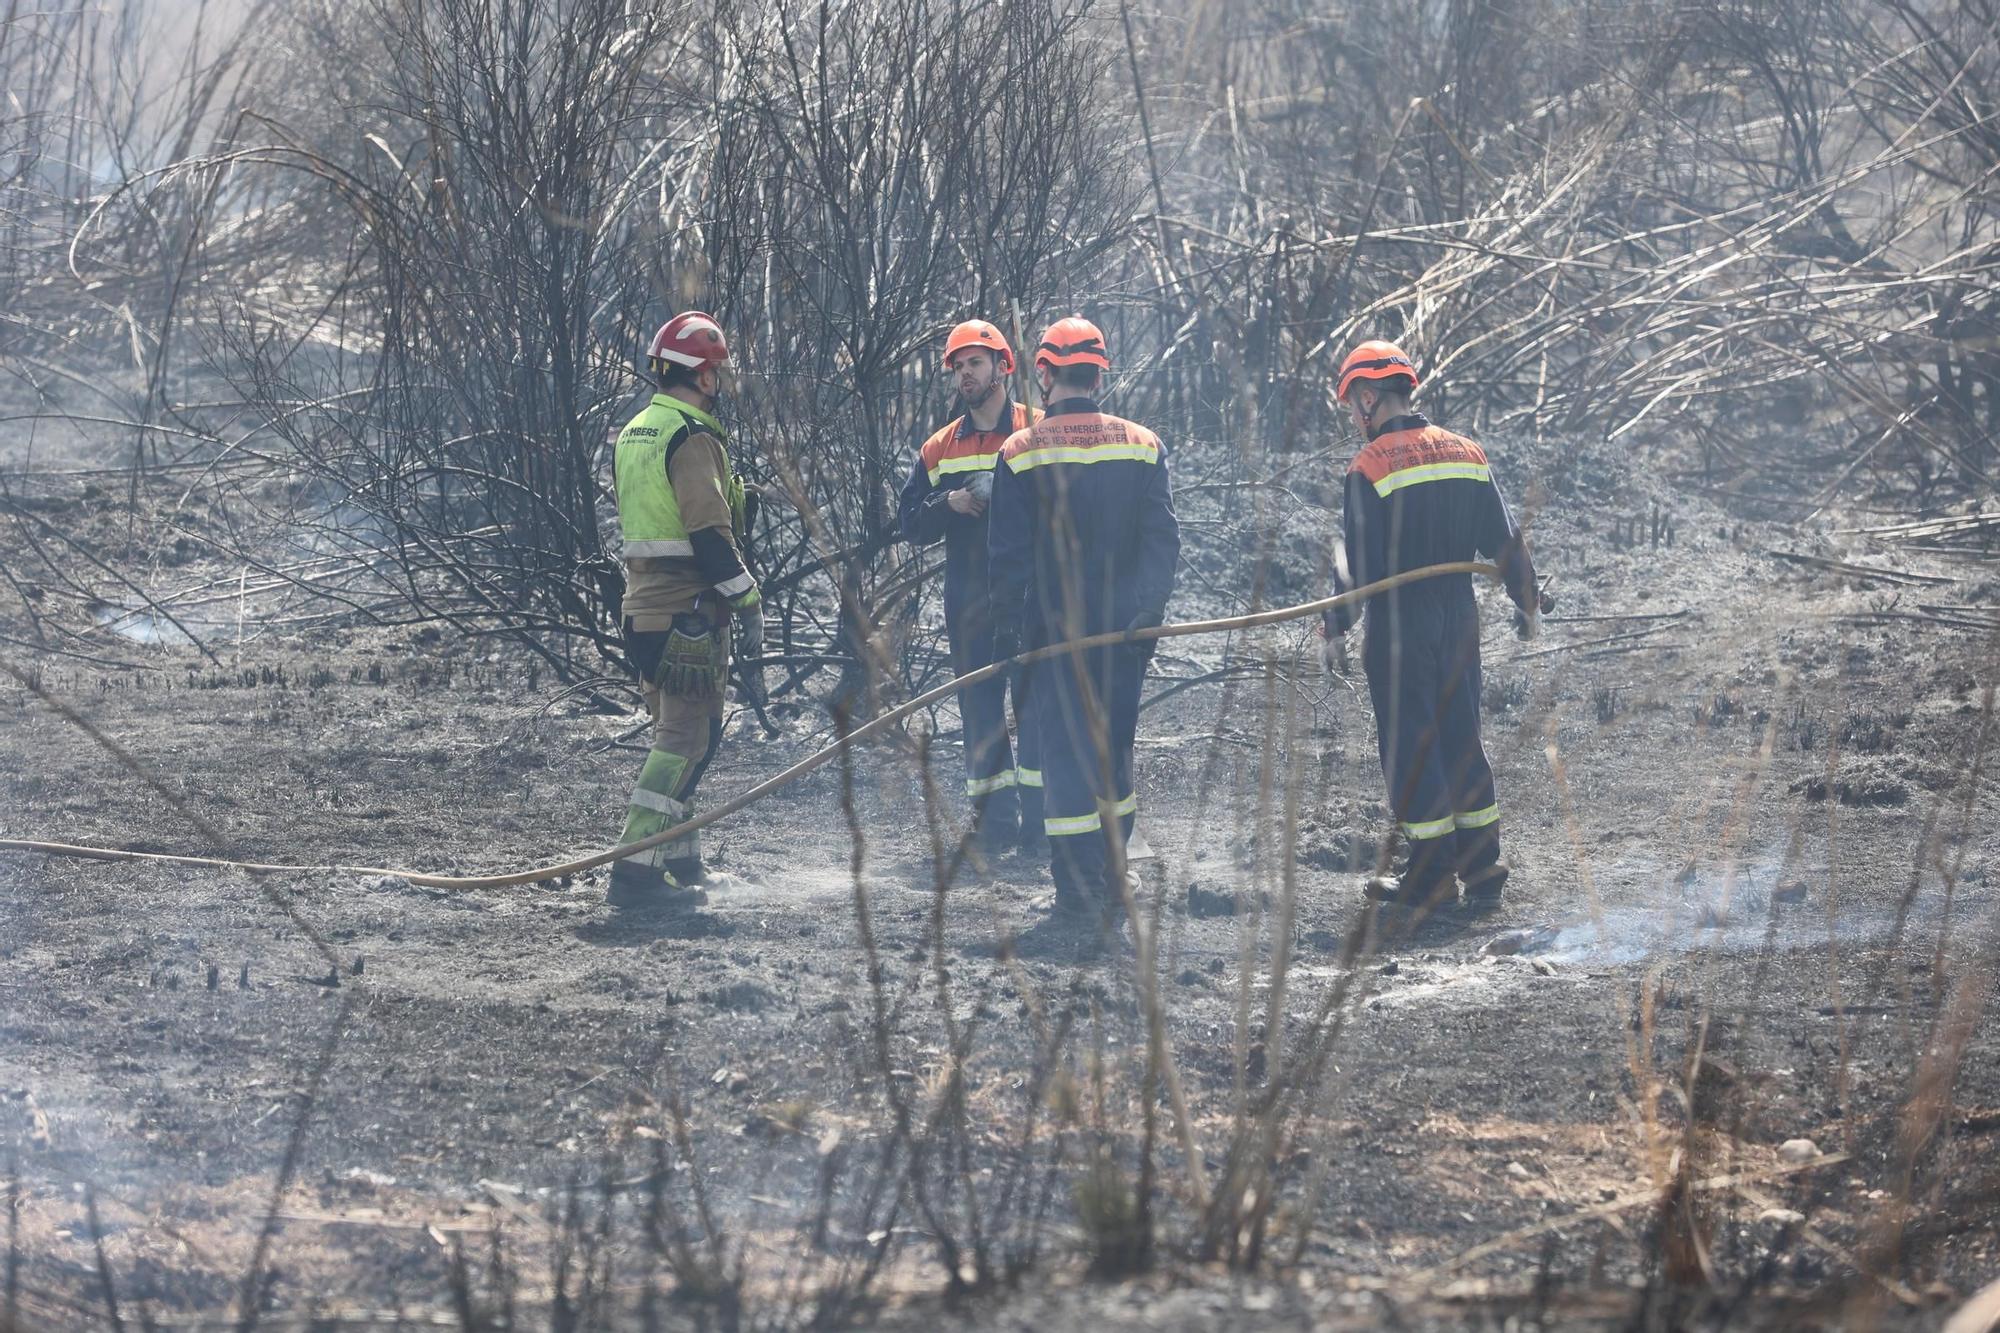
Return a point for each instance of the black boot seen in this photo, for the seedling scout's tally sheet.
(1426, 884)
(1034, 839)
(644, 887)
(996, 825)
(1479, 867)
(687, 871)
(1411, 893)
(1482, 888)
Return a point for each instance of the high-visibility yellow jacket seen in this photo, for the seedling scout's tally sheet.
(680, 512)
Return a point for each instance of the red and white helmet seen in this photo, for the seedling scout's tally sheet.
(691, 339)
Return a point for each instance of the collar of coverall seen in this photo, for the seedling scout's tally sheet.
(1002, 425)
(1408, 421)
(682, 405)
(1063, 407)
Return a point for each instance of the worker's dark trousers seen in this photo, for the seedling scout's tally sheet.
(1422, 660)
(991, 774)
(1088, 705)
(1028, 780)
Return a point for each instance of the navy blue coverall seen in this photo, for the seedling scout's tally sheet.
(1084, 541)
(1419, 495)
(949, 460)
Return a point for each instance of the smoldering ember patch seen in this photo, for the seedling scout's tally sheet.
(1040, 665)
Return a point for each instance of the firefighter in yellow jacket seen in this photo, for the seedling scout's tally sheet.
(681, 513)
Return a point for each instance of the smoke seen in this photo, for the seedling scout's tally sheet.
(1747, 908)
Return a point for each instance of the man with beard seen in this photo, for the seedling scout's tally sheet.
(946, 497)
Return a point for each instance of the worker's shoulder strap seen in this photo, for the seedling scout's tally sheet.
(681, 428)
(679, 436)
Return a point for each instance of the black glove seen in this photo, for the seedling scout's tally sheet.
(1006, 641)
(1142, 651)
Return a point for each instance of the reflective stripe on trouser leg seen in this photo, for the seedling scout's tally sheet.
(1478, 841)
(651, 810)
(1477, 849)
(982, 712)
(1027, 751)
(1405, 683)
(685, 732)
(1069, 826)
(1476, 809)
(1069, 762)
(1079, 720)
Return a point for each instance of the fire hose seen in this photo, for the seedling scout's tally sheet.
(798, 770)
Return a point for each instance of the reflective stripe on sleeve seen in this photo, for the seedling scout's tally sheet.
(1429, 828)
(659, 548)
(986, 786)
(737, 586)
(1028, 777)
(1128, 806)
(1478, 818)
(1411, 476)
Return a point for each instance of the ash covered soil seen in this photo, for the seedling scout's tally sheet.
(1759, 831)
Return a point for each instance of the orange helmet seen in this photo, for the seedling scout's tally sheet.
(692, 339)
(1074, 341)
(978, 333)
(1374, 360)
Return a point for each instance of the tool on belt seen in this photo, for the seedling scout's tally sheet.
(749, 661)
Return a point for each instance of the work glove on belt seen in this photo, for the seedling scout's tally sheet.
(691, 664)
(749, 649)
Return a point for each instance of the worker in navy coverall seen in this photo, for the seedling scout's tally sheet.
(946, 497)
(1419, 495)
(1083, 541)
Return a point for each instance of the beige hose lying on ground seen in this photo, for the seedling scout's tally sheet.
(804, 766)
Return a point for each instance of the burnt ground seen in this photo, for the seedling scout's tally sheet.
(1759, 832)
